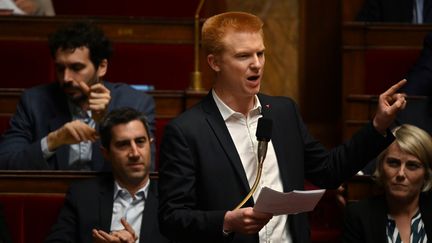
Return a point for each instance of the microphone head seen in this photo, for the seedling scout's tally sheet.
(264, 129)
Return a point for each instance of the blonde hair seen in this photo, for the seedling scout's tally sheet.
(416, 142)
(215, 28)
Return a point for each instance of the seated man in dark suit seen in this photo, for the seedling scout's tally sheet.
(121, 207)
(54, 124)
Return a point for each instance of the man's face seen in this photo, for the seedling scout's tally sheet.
(403, 174)
(129, 153)
(74, 67)
(239, 68)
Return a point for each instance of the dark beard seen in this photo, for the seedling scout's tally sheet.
(82, 99)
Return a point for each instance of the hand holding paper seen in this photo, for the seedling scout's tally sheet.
(277, 203)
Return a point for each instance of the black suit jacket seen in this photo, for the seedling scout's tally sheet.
(201, 175)
(89, 205)
(43, 109)
(366, 221)
(398, 11)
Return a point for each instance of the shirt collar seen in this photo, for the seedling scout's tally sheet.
(77, 112)
(142, 192)
(227, 112)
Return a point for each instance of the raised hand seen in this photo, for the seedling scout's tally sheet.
(71, 133)
(389, 104)
(98, 99)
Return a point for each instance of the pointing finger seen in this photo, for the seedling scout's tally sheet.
(84, 87)
(393, 89)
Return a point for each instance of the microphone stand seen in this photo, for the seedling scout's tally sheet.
(254, 186)
(263, 133)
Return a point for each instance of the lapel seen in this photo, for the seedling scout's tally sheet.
(149, 216)
(98, 162)
(106, 202)
(427, 11)
(62, 116)
(378, 219)
(217, 124)
(278, 138)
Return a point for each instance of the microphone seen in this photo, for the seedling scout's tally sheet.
(263, 134)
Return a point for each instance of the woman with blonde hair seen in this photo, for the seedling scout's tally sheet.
(404, 212)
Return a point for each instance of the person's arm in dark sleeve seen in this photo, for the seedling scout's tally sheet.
(66, 227)
(19, 149)
(352, 232)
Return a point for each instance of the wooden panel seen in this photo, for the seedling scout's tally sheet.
(8, 101)
(169, 103)
(154, 9)
(361, 109)
(128, 30)
(319, 68)
(350, 9)
(365, 72)
(42, 182)
(157, 52)
(361, 187)
(383, 35)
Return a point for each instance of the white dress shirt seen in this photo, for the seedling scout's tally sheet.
(242, 130)
(128, 206)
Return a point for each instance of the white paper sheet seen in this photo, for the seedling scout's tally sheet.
(277, 203)
(10, 4)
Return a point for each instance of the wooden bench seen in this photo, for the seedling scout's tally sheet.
(375, 56)
(31, 202)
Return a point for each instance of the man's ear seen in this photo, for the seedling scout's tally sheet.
(102, 68)
(213, 62)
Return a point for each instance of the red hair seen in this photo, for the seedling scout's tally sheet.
(216, 27)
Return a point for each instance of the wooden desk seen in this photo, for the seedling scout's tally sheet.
(43, 182)
(169, 103)
(361, 187)
(126, 30)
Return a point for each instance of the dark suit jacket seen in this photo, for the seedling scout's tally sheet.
(89, 205)
(366, 221)
(201, 174)
(398, 11)
(43, 109)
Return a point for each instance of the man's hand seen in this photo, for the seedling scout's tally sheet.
(28, 6)
(71, 133)
(389, 104)
(98, 99)
(245, 220)
(127, 235)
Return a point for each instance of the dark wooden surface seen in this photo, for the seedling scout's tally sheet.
(125, 29)
(169, 103)
(363, 43)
